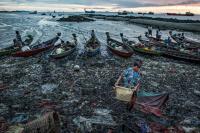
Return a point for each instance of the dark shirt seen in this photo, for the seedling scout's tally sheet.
(18, 37)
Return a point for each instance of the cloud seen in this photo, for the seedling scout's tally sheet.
(121, 3)
(79, 5)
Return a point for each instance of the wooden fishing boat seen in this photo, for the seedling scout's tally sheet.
(92, 46)
(187, 43)
(175, 53)
(182, 56)
(160, 43)
(13, 49)
(118, 48)
(37, 48)
(144, 48)
(68, 47)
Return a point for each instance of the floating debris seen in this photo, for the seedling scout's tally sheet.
(48, 88)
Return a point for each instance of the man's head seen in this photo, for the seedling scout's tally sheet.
(58, 34)
(136, 67)
(17, 32)
(139, 62)
(67, 42)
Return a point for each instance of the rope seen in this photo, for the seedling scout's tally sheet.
(82, 34)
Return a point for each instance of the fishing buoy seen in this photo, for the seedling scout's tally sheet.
(76, 68)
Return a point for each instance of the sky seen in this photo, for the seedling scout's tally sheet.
(158, 6)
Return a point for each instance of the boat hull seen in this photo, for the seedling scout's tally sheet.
(120, 53)
(62, 55)
(37, 49)
(31, 52)
(127, 52)
(141, 50)
(175, 14)
(93, 53)
(192, 44)
(182, 56)
(8, 51)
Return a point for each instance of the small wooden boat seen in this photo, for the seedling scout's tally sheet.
(69, 48)
(145, 48)
(37, 48)
(13, 49)
(160, 43)
(92, 46)
(118, 48)
(175, 53)
(187, 43)
(182, 56)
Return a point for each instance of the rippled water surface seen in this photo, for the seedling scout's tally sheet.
(46, 27)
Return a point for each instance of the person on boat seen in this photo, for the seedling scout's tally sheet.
(131, 76)
(182, 36)
(67, 45)
(18, 40)
(168, 41)
(158, 34)
(146, 34)
(150, 30)
(93, 37)
(59, 40)
(16, 44)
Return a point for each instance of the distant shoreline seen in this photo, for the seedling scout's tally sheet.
(163, 23)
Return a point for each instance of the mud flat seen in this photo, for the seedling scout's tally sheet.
(38, 85)
(164, 23)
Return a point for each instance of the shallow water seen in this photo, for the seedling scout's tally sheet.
(46, 27)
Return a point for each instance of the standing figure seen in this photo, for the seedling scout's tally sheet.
(150, 30)
(182, 36)
(158, 34)
(131, 77)
(18, 40)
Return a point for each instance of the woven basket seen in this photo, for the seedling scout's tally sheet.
(123, 94)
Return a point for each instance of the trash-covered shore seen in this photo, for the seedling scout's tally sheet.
(84, 97)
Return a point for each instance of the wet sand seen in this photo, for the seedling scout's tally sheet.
(173, 24)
